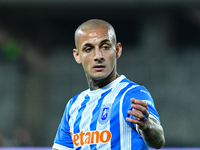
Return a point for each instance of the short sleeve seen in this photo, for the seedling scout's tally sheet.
(139, 93)
(63, 136)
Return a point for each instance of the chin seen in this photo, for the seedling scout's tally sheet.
(98, 77)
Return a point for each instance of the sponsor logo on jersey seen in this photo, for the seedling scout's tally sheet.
(91, 137)
(104, 114)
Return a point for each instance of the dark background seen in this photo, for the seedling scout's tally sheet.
(38, 74)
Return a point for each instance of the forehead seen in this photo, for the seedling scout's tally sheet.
(92, 35)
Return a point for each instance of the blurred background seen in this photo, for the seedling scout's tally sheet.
(38, 74)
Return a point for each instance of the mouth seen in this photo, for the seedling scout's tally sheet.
(99, 67)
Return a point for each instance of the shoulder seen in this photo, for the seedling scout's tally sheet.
(134, 87)
(136, 91)
(75, 101)
(77, 96)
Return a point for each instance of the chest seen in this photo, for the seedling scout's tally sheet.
(94, 114)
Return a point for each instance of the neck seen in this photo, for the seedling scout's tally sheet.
(96, 84)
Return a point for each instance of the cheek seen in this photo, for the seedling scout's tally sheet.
(112, 60)
(85, 63)
(112, 57)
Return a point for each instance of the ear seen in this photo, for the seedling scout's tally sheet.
(118, 50)
(76, 56)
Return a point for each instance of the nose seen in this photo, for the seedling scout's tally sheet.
(98, 56)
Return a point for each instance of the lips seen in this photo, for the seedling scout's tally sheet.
(99, 67)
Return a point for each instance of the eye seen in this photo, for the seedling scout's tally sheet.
(88, 49)
(105, 46)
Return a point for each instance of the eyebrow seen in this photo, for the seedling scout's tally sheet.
(105, 41)
(87, 44)
(102, 42)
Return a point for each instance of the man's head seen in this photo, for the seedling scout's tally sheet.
(96, 49)
(91, 25)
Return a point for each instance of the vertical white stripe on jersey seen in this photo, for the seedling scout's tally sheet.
(86, 118)
(125, 130)
(109, 99)
(74, 110)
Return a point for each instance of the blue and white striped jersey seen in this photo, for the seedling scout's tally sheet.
(97, 119)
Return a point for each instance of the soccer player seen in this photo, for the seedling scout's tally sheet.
(114, 113)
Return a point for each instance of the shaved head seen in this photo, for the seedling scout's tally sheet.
(94, 24)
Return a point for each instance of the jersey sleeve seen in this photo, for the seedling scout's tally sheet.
(139, 93)
(63, 140)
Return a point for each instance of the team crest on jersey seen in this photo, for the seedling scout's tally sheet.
(104, 114)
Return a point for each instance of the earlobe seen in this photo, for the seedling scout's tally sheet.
(76, 56)
(118, 50)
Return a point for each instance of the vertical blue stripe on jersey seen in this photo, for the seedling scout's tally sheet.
(95, 114)
(70, 105)
(115, 142)
(79, 116)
